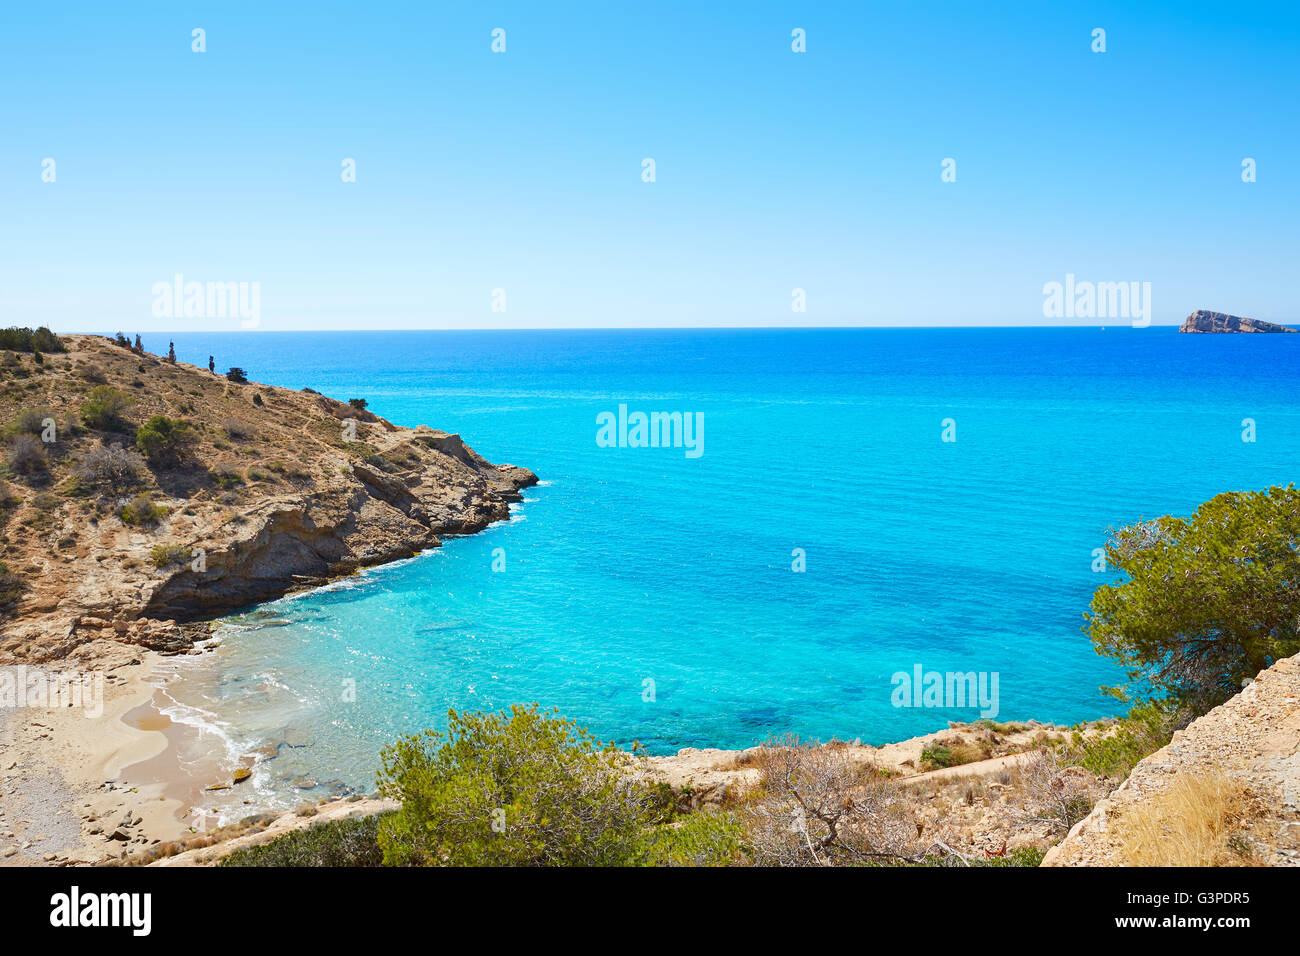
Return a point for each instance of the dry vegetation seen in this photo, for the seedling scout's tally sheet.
(1195, 821)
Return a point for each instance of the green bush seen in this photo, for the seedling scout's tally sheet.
(140, 511)
(516, 788)
(227, 477)
(702, 838)
(30, 421)
(104, 408)
(166, 440)
(1145, 729)
(352, 842)
(166, 555)
(937, 755)
(27, 340)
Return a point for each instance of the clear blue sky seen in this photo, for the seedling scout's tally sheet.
(522, 170)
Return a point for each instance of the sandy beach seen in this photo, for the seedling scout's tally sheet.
(69, 795)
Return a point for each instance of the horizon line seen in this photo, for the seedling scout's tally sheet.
(630, 328)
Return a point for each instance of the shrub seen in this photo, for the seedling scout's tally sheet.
(227, 477)
(104, 407)
(1055, 792)
(165, 555)
(27, 456)
(1145, 729)
(31, 421)
(358, 403)
(703, 838)
(112, 468)
(257, 399)
(237, 376)
(352, 842)
(511, 788)
(166, 440)
(142, 512)
(937, 756)
(818, 806)
(11, 587)
(237, 429)
(92, 373)
(27, 340)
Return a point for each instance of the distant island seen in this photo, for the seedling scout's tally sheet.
(1202, 320)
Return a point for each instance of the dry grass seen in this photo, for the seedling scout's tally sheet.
(1192, 822)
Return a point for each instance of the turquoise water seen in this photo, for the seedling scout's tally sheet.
(630, 565)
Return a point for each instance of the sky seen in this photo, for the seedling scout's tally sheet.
(522, 171)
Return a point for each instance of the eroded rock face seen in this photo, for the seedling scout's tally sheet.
(1252, 739)
(1204, 321)
(287, 489)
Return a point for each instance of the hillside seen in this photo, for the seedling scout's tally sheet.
(1224, 791)
(260, 491)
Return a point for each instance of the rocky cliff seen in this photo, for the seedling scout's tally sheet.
(1249, 746)
(280, 489)
(1204, 321)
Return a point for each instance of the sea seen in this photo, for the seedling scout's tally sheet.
(854, 505)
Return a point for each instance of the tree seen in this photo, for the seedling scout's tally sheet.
(171, 352)
(518, 788)
(358, 403)
(1208, 601)
(237, 376)
(212, 364)
(165, 440)
(139, 346)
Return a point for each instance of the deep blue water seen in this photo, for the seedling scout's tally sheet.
(636, 564)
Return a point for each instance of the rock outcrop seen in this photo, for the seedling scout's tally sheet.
(1204, 321)
(283, 490)
(1253, 739)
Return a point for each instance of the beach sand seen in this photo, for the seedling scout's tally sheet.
(73, 784)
